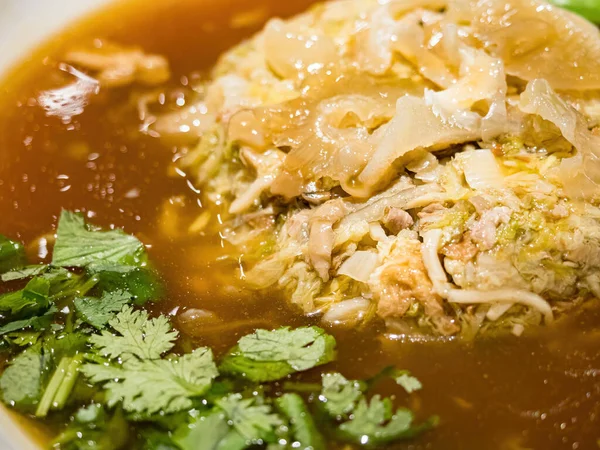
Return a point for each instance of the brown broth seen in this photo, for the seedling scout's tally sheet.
(539, 391)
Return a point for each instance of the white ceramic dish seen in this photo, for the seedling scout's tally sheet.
(23, 25)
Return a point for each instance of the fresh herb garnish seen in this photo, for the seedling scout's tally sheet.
(272, 355)
(408, 382)
(12, 254)
(590, 9)
(29, 300)
(60, 385)
(98, 311)
(374, 423)
(136, 335)
(209, 431)
(339, 395)
(22, 338)
(304, 431)
(21, 382)
(76, 338)
(78, 246)
(152, 386)
(256, 423)
(22, 273)
(141, 282)
(116, 274)
(142, 381)
(35, 323)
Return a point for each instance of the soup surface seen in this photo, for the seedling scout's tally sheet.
(539, 390)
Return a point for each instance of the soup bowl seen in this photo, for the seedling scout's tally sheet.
(35, 34)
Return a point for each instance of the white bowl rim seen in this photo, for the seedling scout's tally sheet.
(24, 24)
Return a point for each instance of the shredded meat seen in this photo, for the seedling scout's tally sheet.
(402, 280)
(480, 203)
(398, 291)
(464, 251)
(322, 237)
(432, 213)
(483, 232)
(396, 219)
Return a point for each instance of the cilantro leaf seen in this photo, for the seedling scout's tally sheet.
(21, 382)
(407, 381)
(98, 311)
(138, 335)
(588, 9)
(25, 272)
(12, 254)
(272, 355)
(301, 348)
(402, 377)
(234, 363)
(32, 306)
(36, 323)
(49, 284)
(255, 423)
(144, 383)
(373, 423)
(77, 245)
(152, 386)
(339, 395)
(304, 431)
(50, 273)
(29, 300)
(65, 344)
(209, 432)
(22, 338)
(90, 413)
(141, 282)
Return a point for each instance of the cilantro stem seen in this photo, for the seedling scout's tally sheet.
(298, 386)
(74, 288)
(65, 437)
(302, 423)
(92, 357)
(66, 386)
(388, 371)
(69, 323)
(89, 284)
(52, 387)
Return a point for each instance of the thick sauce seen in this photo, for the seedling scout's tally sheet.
(539, 391)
